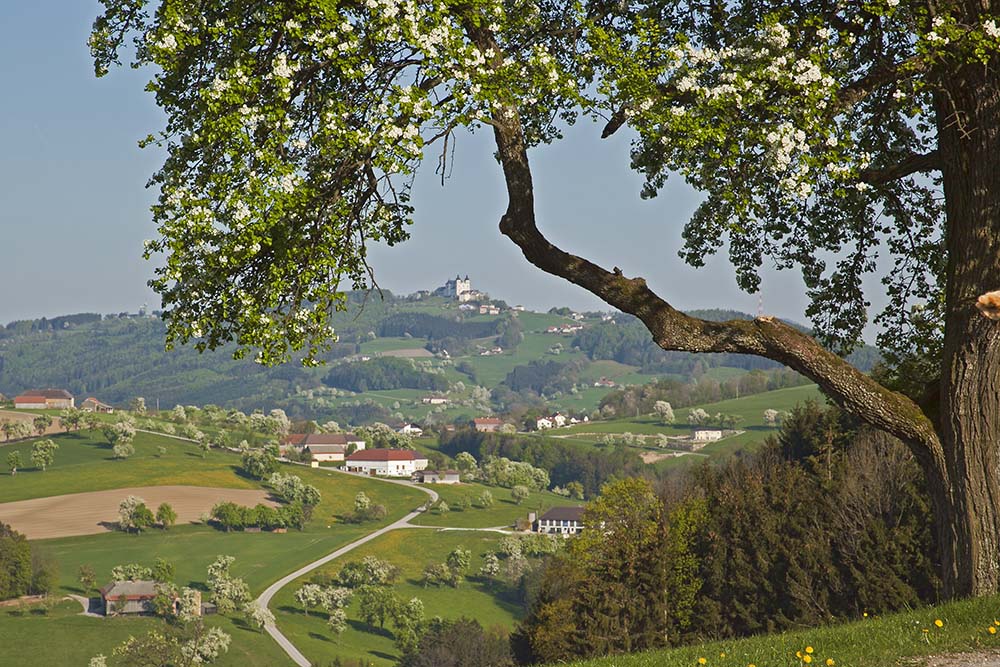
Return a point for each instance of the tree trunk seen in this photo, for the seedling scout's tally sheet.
(969, 145)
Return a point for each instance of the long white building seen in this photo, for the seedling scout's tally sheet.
(386, 462)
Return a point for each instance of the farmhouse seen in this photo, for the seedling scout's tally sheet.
(543, 423)
(706, 434)
(91, 404)
(386, 462)
(321, 453)
(128, 597)
(434, 400)
(302, 441)
(438, 476)
(487, 424)
(135, 597)
(410, 429)
(560, 521)
(38, 399)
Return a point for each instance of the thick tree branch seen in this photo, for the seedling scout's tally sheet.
(911, 164)
(673, 330)
(875, 79)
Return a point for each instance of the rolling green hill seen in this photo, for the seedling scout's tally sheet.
(116, 358)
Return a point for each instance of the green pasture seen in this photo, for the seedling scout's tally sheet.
(503, 513)
(64, 637)
(410, 550)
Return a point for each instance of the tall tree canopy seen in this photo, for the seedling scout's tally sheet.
(834, 137)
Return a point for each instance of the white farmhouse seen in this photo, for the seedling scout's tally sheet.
(386, 462)
(563, 521)
(543, 423)
(706, 434)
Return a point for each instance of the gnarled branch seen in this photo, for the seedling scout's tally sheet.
(673, 330)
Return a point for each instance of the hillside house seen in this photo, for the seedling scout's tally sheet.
(563, 521)
(410, 429)
(543, 423)
(488, 309)
(44, 399)
(706, 434)
(438, 476)
(558, 420)
(487, 424)
(387, 462)
(299, 442)
(605, 382)
(91, 404)
(325, 453)
(434, 400)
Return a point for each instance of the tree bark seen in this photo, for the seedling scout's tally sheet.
(969, 145)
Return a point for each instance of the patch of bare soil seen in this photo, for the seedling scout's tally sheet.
(97, 511)
(653, 457)
(988, 658)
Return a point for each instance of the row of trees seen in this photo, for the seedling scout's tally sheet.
(230, 516)
(135, 516)
(565, 463)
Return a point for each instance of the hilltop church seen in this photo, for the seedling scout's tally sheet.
(460, 289)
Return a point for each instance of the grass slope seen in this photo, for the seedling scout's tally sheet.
(64, 637)
(504, 511)
(411, 550)
(897, 639)
(83, 463)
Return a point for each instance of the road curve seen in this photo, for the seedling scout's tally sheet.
(265, 598)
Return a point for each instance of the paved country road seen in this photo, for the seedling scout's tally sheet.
(265, 598)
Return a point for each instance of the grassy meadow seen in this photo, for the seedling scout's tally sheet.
(503, 513)
(64, 637)
(410, 550)
(84, 463)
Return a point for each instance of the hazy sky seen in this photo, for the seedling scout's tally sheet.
(74, 210)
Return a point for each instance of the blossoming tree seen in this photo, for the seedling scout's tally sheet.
(839, 138)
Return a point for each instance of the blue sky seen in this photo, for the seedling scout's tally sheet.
(74, 209)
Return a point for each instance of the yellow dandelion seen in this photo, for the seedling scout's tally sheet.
(992, 630)
(798, 654)
(938, 622)
(865, 614)
(722, 655)
(807, 659)
(702, 661)
(830, 662)
(751, 665)
(809, 649)
(996, 622)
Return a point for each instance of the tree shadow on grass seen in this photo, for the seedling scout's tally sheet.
(317, 636)
(370, 629)
(503, 596)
